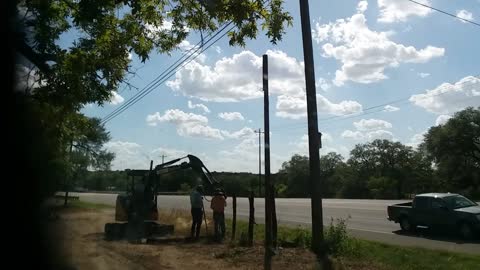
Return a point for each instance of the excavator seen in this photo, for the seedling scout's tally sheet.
(136, 211)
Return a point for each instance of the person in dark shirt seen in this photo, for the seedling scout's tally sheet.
(196, 202)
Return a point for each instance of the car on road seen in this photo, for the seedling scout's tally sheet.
(443, 211)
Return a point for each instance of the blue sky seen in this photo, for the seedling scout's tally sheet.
(422, 63)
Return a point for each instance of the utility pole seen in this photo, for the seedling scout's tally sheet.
(163, 156)
(313, 135)
(259, 161)
(268, 190)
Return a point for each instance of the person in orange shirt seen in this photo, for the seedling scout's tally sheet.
(218, 205)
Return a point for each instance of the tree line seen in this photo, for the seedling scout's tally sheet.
(448, 160)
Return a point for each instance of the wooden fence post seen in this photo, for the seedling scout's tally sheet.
(251, 219)
(234, 220)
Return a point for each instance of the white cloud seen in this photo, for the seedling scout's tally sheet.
(442, 119)
(343, 108)
(464, 14)
(243, 133)
(390, 108)
(244, 157)
(371, 124)
(369, 130)
(356, 135)
(291, 107)
(188, 124)
(301, 146)
(195, 125)
(127, 155)
(400, 10)
(416, 139)
(178, 117)
(295, 107)
(230, 116)
(116, 98)
(362, 6)
(379, 134)
(200, 106)
(189, 48)
(218, 49)
(423, 75)
(154, 31)
(240, 77)
(369, 136)
(448, 98)
(364, 53)
(198, 130)
(130, 155)
(322, 83)
(185, 45)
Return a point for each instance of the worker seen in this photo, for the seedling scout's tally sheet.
(197, 211)
(218, 205)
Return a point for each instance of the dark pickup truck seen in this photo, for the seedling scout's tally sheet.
(446, 211)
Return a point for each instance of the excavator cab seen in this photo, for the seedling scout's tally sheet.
(136, 211)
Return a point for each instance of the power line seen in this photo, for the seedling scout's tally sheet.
(160, 78)
(166, 74)
(444, 12)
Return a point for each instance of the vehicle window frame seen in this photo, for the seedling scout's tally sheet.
(443, 203)
(426, 204)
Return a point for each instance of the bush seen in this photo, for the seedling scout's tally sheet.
(294, 238)
(337, 240)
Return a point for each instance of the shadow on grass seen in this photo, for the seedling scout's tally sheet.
(437, 235)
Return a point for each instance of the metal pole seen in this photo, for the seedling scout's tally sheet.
(268, 214)
(313, 141)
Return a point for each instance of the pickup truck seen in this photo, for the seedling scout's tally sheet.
(447, 211)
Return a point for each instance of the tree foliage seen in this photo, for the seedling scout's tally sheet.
(78, 52)
(454, 147)
(101, 34)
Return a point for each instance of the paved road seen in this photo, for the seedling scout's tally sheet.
(366, 219)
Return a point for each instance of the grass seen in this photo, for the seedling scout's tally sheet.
(348, 252)
(396, 257)
(88, 205)
(373, 254)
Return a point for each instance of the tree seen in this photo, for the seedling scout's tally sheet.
(103, 34)
(385, 167)
(328, 165)
(293, 178)
(87, 137)
(89, 65)
(295, 173)
(454, 148)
